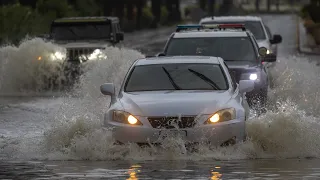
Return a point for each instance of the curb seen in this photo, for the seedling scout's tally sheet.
(299, 41)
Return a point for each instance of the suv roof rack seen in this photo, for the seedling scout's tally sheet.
(211, 26)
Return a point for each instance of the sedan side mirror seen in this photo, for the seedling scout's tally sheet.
(120, 36)
(246, 86)
(269, 58)
(160, 54)
(276, 39)
(108, 89)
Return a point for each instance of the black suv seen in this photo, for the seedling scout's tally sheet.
(234, 44)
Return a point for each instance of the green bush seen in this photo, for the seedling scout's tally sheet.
(164, 15)
(146, 18)
(57, 8)
(87, 8)
(17, 21)
(311, 11)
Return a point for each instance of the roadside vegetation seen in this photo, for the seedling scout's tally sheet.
(310, 13)
(21, 19)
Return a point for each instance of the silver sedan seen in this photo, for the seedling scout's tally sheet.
(191, 97)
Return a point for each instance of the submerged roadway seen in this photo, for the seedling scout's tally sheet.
(23, 120)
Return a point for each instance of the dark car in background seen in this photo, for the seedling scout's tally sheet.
(234, 44)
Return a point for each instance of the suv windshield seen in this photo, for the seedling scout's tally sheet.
(176, 77)
(254, 26)
(228, 48)
(73, 31)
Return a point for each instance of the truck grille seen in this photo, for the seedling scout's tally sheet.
(172, 122)
(73, 54)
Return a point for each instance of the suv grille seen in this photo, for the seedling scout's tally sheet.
(73, 54)
(237, 74)
(172, 122)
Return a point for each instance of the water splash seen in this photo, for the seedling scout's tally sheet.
(289, 129)
(28, 68)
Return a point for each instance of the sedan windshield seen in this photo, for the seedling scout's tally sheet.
(228, 48)
(254, 26)
(176, 77)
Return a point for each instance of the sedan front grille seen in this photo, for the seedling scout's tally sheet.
(74, 54)
(172, 122)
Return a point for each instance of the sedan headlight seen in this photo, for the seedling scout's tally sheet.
(222, 115)
(125, 118)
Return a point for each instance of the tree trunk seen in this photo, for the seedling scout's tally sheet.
(120, 10)
(130, 10)
(257, 5)
(156, 11)
(202, 4)
(268, 5)
(211, 7)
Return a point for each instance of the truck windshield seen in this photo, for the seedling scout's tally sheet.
(73, 31)
(228, 48)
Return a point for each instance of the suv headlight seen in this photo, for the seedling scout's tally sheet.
(125, 118)
(254, 76)
(221, 116)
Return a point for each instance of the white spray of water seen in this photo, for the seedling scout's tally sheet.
(289, 130)
(28, 68)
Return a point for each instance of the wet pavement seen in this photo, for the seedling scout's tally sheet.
(130, 170)
(25, 117)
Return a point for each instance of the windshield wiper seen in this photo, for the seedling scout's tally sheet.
(206, 79)
(171, 79)
(72, 31)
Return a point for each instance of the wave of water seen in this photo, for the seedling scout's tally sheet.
(290, 129)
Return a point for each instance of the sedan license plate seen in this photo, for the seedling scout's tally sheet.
(173, 133)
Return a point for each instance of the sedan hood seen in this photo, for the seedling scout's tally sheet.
(174, 103)
(263, 43)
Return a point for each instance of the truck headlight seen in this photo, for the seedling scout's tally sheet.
(57, 56)
(97, 54)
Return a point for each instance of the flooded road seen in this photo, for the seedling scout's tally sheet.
(45, 137)
(245, 169)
